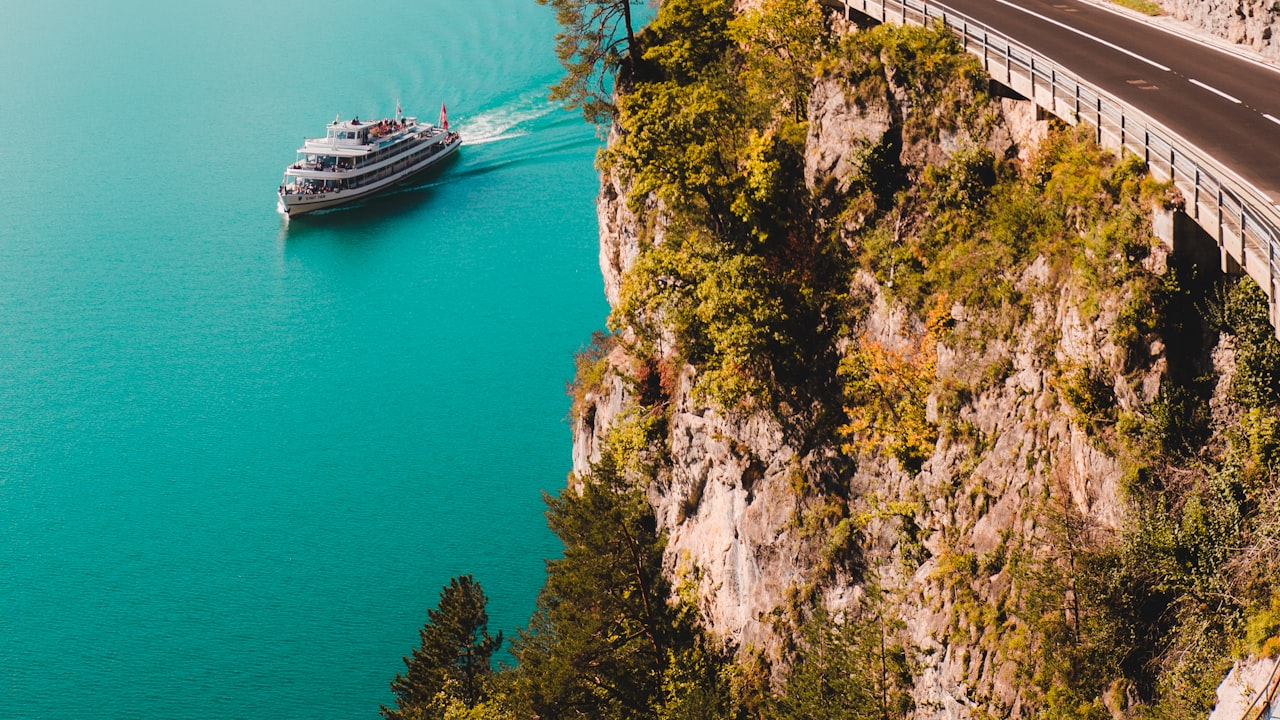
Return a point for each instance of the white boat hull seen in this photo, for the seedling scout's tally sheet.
(297, 204)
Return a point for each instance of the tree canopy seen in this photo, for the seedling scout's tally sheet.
(606, 641)
(453, 661)
(596, 40)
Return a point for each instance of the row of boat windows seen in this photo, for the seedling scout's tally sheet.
(343, 164)
(311, 186)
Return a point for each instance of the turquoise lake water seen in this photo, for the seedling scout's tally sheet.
(239, 456)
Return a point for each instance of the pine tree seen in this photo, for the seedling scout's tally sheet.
(453, 661)
(852, 669)
(600, 640)
(596, 40)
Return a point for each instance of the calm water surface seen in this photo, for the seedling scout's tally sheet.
(239, 457)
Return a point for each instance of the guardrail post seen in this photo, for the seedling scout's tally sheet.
(1271, 277)
(1197, 196)
(1243, 221)
(1099, 119)
(1271, 305)
(1221, 236)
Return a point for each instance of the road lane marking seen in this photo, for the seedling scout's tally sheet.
(1231, 50)
(1272, 118)
(1213, 90)
(1084, 34)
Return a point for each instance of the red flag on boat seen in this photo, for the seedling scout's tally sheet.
(444, 118)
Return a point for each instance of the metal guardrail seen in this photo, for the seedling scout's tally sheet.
(1233, 211)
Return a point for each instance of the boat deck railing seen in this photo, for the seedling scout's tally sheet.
(422, 135)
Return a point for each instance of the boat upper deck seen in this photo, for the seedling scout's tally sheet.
(355, 138)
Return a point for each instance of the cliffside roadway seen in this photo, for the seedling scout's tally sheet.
(1227, 105)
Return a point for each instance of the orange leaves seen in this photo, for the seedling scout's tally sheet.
(886, 393)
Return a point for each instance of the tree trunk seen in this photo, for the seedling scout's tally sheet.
(633, 52)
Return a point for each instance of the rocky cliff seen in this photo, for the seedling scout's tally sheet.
(1253, 23)
(1023, 465)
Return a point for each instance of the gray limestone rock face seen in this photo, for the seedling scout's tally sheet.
(730, 495)
(839, 128)
(1252, 23)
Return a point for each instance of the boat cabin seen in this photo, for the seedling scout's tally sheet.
(351, 133)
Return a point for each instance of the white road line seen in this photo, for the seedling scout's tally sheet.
(1272, 118)
(1213, 90)
(1234, 52)
(1084, 34)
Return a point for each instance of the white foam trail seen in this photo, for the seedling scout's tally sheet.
(483, 140)
(505, 122)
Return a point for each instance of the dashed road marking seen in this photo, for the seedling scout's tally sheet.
(1231, 50)
(1214, 90)
(1272, 118)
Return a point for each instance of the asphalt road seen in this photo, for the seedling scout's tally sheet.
(1224, 104)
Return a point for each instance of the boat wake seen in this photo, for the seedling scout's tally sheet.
(509, 121)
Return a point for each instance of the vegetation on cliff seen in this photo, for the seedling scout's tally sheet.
(758, 278)
(605, 642)
(758, 289)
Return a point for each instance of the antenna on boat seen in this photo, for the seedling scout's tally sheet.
(398, 111)
(335, 118)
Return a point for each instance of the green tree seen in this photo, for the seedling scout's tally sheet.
(605, 642)
(688, 38)
(782, 42)
(1244, 314)
(596, 40)
(848, 669)
(681, 146)
(453, 661)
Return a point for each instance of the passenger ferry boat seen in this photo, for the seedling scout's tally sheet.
(356, 159)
